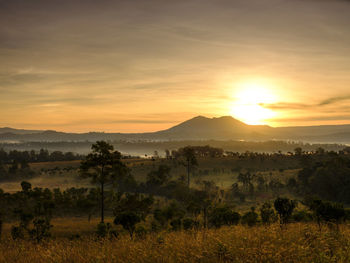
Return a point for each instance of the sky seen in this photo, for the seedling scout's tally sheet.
(136, 65)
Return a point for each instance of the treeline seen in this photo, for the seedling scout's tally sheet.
(15, 164)
(32, 156)
(329, 178)
(141, 147)
(198, 151)
(138, 214)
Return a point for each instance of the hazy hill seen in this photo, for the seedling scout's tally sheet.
(18, 131)
(198, 128)
(215, 128)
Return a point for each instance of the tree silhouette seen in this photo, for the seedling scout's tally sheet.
(284, 208)
(189, 161)
(103, 165)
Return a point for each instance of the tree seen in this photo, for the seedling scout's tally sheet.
(189, 161)
(167, 154)
(131, 209)
(246, 179)
(172, 212)
(158, 177)
(250, 218)
(103, 165)
(328, 212)
(223, 215)
(128, 220)
(284, 208)
(298, 151)
(26, 186)
(267, 213)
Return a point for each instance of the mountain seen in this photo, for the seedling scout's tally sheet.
(222, 128)
(198, 128)
(18, 131)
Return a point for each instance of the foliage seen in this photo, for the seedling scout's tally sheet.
(104, 166)
(105, 230)
(188, 159)
(284, 208)
(267, 213)
(250, 218)
(189, 223)
(329, 179)
(172, 212)
(302, 216)
(158, 177)
(223, 215)
(325, 211)
(128, 220)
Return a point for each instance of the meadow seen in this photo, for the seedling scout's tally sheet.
(298, 242)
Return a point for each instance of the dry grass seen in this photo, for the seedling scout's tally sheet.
(63, 181)
(297, 243)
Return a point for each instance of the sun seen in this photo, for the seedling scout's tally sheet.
(247, 103)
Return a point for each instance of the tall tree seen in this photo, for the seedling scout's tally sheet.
(103, 165)
(189, 160)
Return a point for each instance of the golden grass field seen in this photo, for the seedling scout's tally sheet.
(297, 243)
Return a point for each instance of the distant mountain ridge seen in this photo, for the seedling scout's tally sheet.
(18, 131)
(197, 128)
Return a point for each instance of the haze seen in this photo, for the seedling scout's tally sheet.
(135, 66)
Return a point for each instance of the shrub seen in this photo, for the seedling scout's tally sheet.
(189, 223)
(302, 216)
(220, 216)
(140, 232)
(128, 220)
(267, 214)
(175, 224)
(103, 229)
(284, 208)
(17, 232)
(250, 218)
(41, 229)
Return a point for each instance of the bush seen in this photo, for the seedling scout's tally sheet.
(302, 216)
(189, 223)
(250, 218)
(267, 214)
(284, 208)
(41, 229)
(175, 224)
(17, 232)
(155, 226)
(103, 229)
(140, 232)
(128, 220)
(220, 216)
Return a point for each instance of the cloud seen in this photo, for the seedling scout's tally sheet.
(302, 106)
(142, 121)
(286, 106)
(334, 100)
(314, 118)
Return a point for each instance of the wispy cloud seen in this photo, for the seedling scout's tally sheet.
(334, 100)
(303, 106)
(314, 118)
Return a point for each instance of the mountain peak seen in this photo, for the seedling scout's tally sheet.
(201, 126)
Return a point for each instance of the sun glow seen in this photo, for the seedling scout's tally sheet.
(247, 104)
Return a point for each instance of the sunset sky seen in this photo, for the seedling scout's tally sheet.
(146, 65)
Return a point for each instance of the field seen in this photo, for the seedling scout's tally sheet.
(74, 238)
(65, 174)
(299, 242)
